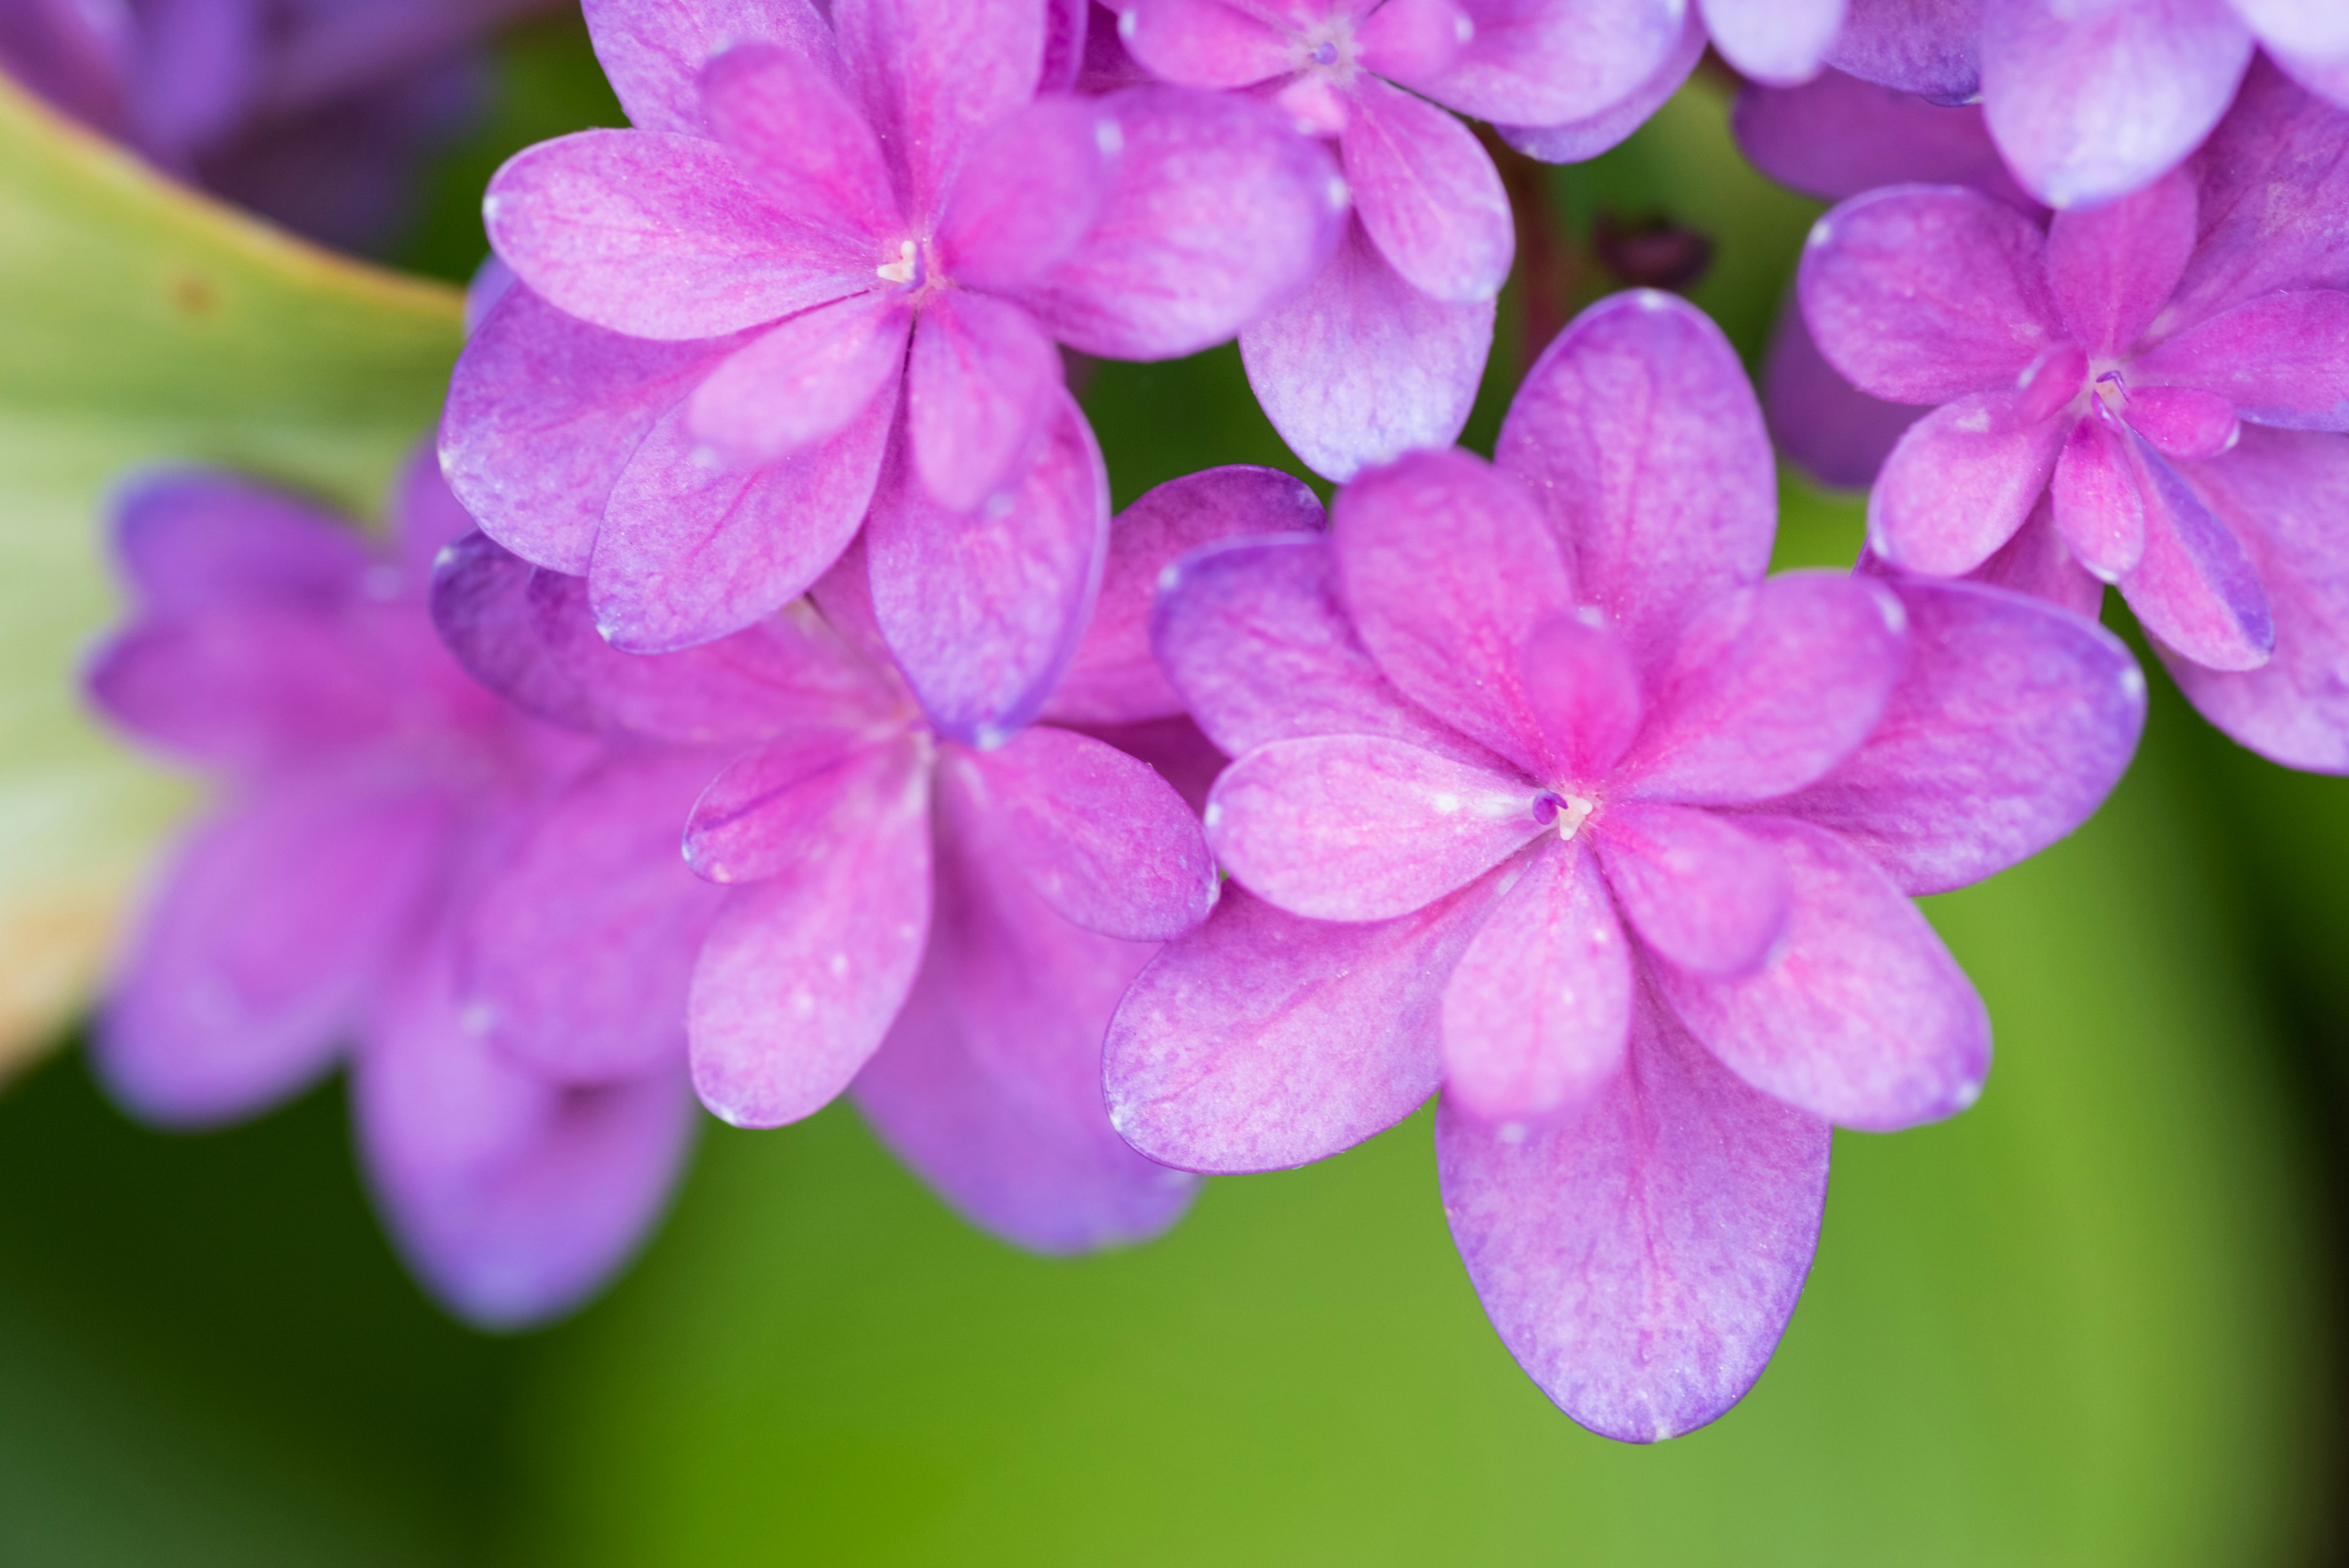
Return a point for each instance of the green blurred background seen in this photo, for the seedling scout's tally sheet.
(2093, 1321)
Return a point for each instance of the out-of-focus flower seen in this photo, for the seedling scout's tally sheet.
(814, 225)
(315, 113)
(375, 796)
(2094, 381)
(945, 926)
(1545, 797)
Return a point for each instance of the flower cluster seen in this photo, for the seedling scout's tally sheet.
(787, 716)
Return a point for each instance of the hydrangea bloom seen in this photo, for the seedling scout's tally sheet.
(945, 926)
(313, 112)
(2094, 382)
(374, 798)
(695, 399)
(1384, 352)
(1545, 797)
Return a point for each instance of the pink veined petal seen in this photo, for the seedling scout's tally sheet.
(801, 381)
(425, 517)
(1354, 827)
(1358, 367)
(2195, 590)
(1925, 293)
(1262, 1041)
(1836, 136)
(1428, 195)
(1447, 569)
(1836, 433)
(1098, 835)
(1413, 39)
(985, 609)
(770, 812)
(2282, 360)
(1218, 211)
(1931, 47)
(2273, 180)
(1116, 677)
(1959, 483)
(1772, 687)
(273, 922)
(2012, 722)
(1584, 691)
(2184, 422)
(935, 77)
(978, 384)
(545, 412)
(193, 540)
(2098, 508)
(1860, 1016)
(1543, 62)
(1538, 1012)
(1031, 191)
(667, 237)
(576, 954)
(990, 1084)
(512, 1199)
(2112, 268)
(1639, 435)
(1204, 43)
(2090, 106)
(802, 976)
(689, 553)
(1771, 40)
(2282, 494)
(2035, 562)
(1701, 894)
(1253, 637)
(1175, 749)
(1641, 1255)
(1586, 136)
(802, 139)
(653, 53)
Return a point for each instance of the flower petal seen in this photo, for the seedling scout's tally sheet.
(2035, 562)
(667, 237)
(1116, 677)
(1216, 212)
(653, 50)
(1538, 1013)
(1959, 483)
(1641, 438)
(797, 133)
(978, 384)
(1359, 367)
(2112, 268)
(801, 381)
(1428, 196)
(2195, 590)
(1262, 1042)
(1921, 294)
(1586, 136)
(2012, 722)
(1353, 827)
(801, 976)
(193, 540)
(2282, 360)
(2182, 421)
(1772, 40)
(2090, 104)
(692, 550)
(1931, 47)
(2274, 178)
(1203, 42)
(1545, 64)
(1772, 687)
(1446, 570)
(984, 609)
(1099, 836)
(1836, 433)
(1031, 191)
(1641, 1255)
(935, 77)
(1836, 136)
(1860, 1016)
(1584, 691)
(1700, 893)
(771, 813)
(544, 414)
(2097, 505)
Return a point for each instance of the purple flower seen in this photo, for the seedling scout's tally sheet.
(315, 113)
(2093, 383)
(1545, 798)
(695, 399)
(945, 926)
(2090, 102)
(1383, 353)
(376, 801)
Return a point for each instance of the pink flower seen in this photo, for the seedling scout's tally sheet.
(1545, 798)
(375, 796)
(2093, 383)
(945, 926)
(1384, 352)
(695, 398)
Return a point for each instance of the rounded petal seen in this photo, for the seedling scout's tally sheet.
(774, 812)
(1836, 433)
(2282, 360)
(1931, 47)
(1585, 693)
(1031, 191)
(1428, 195)
(653, 51)
(801, 137)
(2112, 268)
(979, 385)
(2195, 590)
(2273, 180)
(1959, 483)
(1836, 136)
(2098, 506)
(195, 541)
(934, 78)
(1203, 42)
(800, 382)
(1772, 40)
(1547, 63)
(1586, 136)
(2184, 422)
(1709, 898)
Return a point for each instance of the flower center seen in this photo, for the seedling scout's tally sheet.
(1327, 49)
(1569, 811)
(2111, 389)
(909, 271)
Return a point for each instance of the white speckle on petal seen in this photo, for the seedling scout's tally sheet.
(1968, 1093)
(1128, 23)
(1653, 299)
(1510, 1132)
(478, 1018)
(1214, 815)
(1169, 578)
(1821, 233)
(1591, 616)
(2133, 683)
(1339, 196)
(1445, 802)
(1109, 136)
(1895, 614)
(803, 1002)
(1975, 422)
(1463, 28)
(839, 966)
